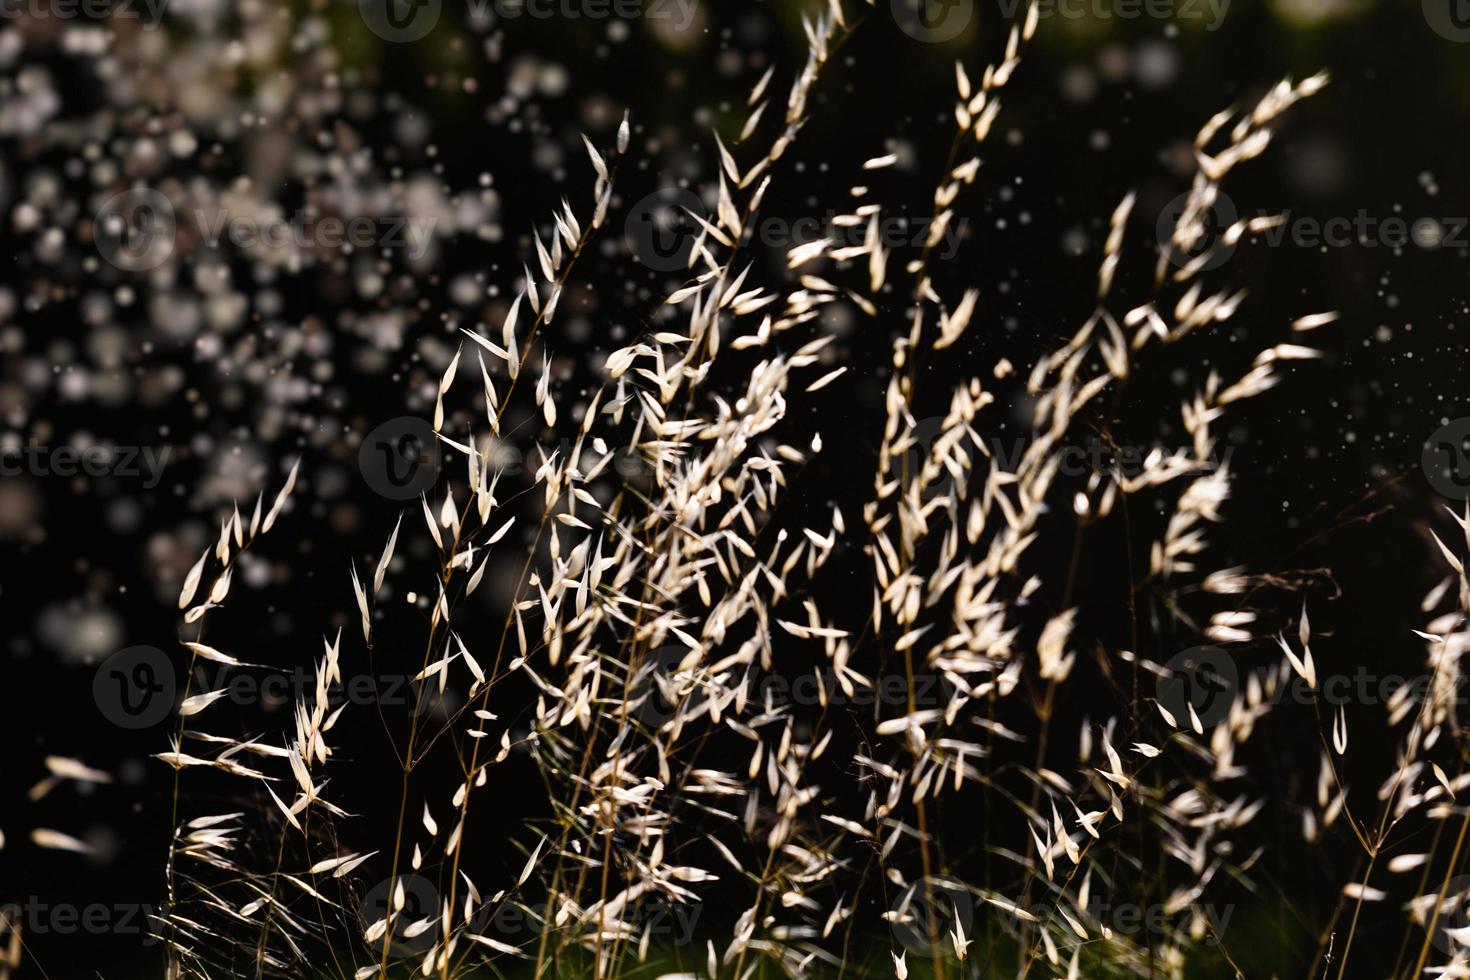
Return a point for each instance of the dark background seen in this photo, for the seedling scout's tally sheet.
(1328, 462)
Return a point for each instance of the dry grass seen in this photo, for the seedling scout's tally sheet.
(645, 623)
